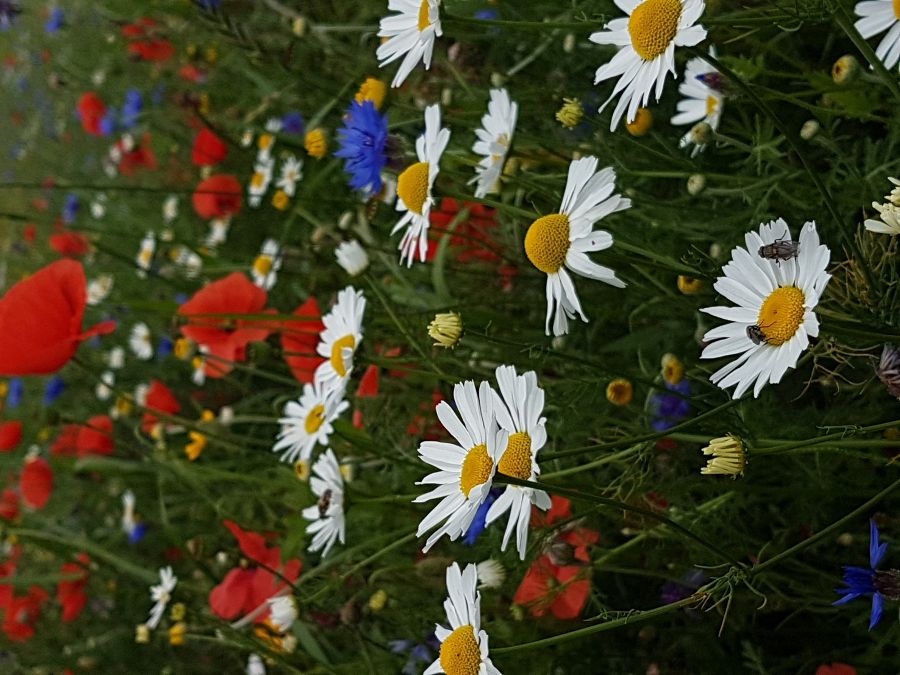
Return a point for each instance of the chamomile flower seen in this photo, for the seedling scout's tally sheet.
(218, 231)
(464, 646)
(888, 212)
(411, 33)
(465, 468)
(327, 515)
(259, 181)
(103, 390)
(563, 240)
(879, 16)
(170, 208)
(141, 341)
(308, 420)
(161, 594)
(494, 139)
(703, 100)
(144, 258)
(774, 317)
(266, 265)
(646, 41)
(291, 173)
(518, 409)
(341, 336)
(414, 187)
(99, 288)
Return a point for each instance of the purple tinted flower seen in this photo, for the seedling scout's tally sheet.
(362, 146)
(670, 407)
(861, 581)
(292, 123)
(54, 389)
(131, 108)
(16, 392)
(478, 523)
(70, 209)
(55, 21)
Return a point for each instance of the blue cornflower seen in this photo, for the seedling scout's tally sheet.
(54, 388)
(70, 208)
(131, 108)
(292, 123)
(55, 21)
(137, 533)
(363, 140)
(208, 5)
(668, 409)
(861, 581)
(16, 392)
(165, 347)
(479, 522)
(108, 121)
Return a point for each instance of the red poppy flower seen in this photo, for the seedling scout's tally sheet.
(192, 73)
(70, 591)
(40, 320)
(70, 244)
(139, 157)
(245, 591)
(159, 399)
(93, 438)
(226, 339)
(560, 509)
(142, 26)
(156, 50)
(22, 613)
(835, 669)
(473, 236)
(10, 435)
(369, 383)
(426, 424)
(91, 110)
(36, 482)
(9, 505)
(208, 148)
(299, 340)
(218, 196)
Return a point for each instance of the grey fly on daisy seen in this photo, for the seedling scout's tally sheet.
(414, 187)
(465, 468)
(464, 646)
(341, 337)
(494, 138)
(411, 32)
(327, 514)
(774, 317)
(563, 240)
(879, 16)
(518, 409)
(646, 42)
(308, 421)
(703, 100)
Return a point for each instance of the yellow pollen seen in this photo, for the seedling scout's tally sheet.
(781, 314)
(372, 90)
(896, 5)
(337, 358)
(315, 419)
(712, 103)
(257, 180)
(424, 16)
(547, 242)
(460, 654)
(476, 469)
(653, 25)
(262, 265)
(412, 186)
(516, 459)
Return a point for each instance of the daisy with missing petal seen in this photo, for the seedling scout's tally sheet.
(465, 468)
(341, 336)
(411, 32)
(161, 594)
(703, 100)
(646, 42)
(464, 646)
(518, 408)
(308, 421)
(494, 139)
(327, 515)
(774, 317)
(563, 240)
(414, 187)
(879, 16)
(266, 265)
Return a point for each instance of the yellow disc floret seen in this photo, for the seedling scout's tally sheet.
(653, 25)
(712, 104)
(896, 5)
(372, 90)
(263, 265)
(460, 654)
(476, 469)
(412, 186)
(337, 349)
(781, 314)
(424, 16)
(516, 459)
(315, 419)
(547, 242)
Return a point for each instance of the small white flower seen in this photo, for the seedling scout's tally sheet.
(341, 336)
(218, 231)
(411, 32)
(266, 265)
(104, 387)
(259, 182)
(490, 574)
(494, 138)
(247, 138)
(255, 665)
(98, 289)
(352, 257)
(273, 125)
(98, 208)
(703, 100)
(144, 258)
(291, 173)
(327, 514)
(284, 612)
(141, 341)
(170, 208)
(129, 519)
(308, 420)
(115, 359)
(161, 594)
(889, 212)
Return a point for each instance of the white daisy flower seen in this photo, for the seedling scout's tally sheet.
(99, 288)
(414, 187)
(274, 125)
(490, 574)
(411, 32)
(255, 665)
(259, 181)
(161, 594)
(141, 341)
(129, 519)
(265, 144)
(104, 388)
(247, 138)
(889, 212)
(879, 16)
(266, 265)
(341, 336)
(327, 515)
(291, 173)
(494, 139)
(283, 612)
(170, 208)
(464, 646)
(465, 468)
(563, 240)
(98, 206)
(115, 359)
(198, 363)
(308, 420)
(144, 257)
(518, 408)
(774, 319)
(218, 231)
(352, 257)
(646, 41)
(703, 99)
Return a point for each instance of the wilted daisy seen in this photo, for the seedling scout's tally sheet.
(341, 336)
(560, 240)
(494, 139)
(729, 457)
(141, 341)
(327, 515)
(99, 288)
(411, 32)
(144, 257)
(889, 212)
(266, 265)
(291, 173)
(414, 187)
(518, 409)
(352, 257)
(774, 319)
(308, 420)
(161, 594)
(464, 646)
(465, 468)
(703, 100)
(879, 16)
(646, 41)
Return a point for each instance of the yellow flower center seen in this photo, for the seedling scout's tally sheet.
(265, 141)
(263, 265)
(280, 200)
(301, 469)
(476, 469)
(412, 186)
(257, 180)
(337, 357)
(516, 459)
(460, 654)
(781, 314)
(372, 90)
(712, 103)
(896, 5)
(653, 25)
(547, 242)
(315, 419)
(316, 144)
(425, 16)
(641, 124)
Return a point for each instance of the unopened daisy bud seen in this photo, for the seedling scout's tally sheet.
(729, 457)
(845, 539)
(569, 43)
(641, 124)
(809, 129)
(298, 27)
(619, 392)
(689, 285)
(490, 574)
(571, 113)
(672, 369)
(284, 612)
(558, 342)
(497, 79)
(179, 611)
(446, 96)
(715, 250)
(372, 90)
(301, 470)
(316, 143)
(142, 634)
(348, 471)
(280, 200)
(352, 257)
(701, 133)
(445, 329)
(845, 69)
(378, 600)
(888, 370)
(177, 634)
(696, 184)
